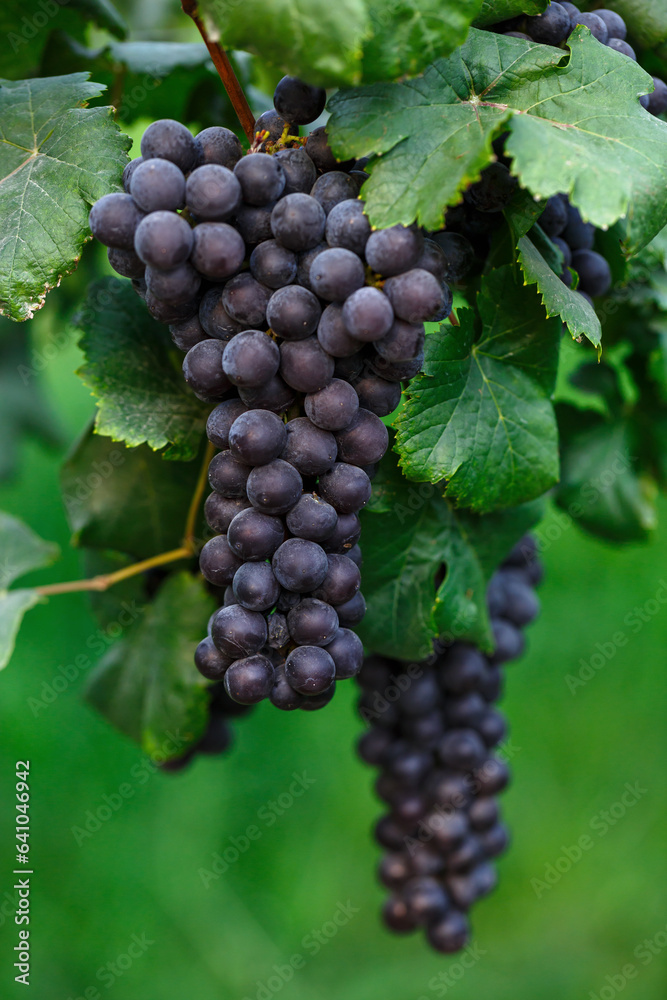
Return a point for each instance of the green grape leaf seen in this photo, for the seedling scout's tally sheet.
(134, 373)
(319, 41)
(25, 27)
(578, 315)
(412, 539)
(575, 125)
(572, 356)
(13, 606)
(21, 550)
(646, 20)
(147, 684)
(494, 11)
(125, 499)
(480, 415)
(57, 157)
(602, 487)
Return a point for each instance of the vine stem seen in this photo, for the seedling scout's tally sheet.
(225, 72)
(186, 550)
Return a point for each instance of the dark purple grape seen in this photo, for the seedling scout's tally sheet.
(346, 487)
(347, 226)
(333, 335)
(283, 695)
(212, 193)
(300, 565)
(304, 262)
(114, 220)
(257, 437)
(300, 172)
(313, 703)
(368, 314)
(459, 255)
(403, 342)
(158, 184)
(351, 613)
(297, 101)
(364, 441)
(221, 419)
(492, 727)
(465, 711)
(170, 140)
(273, 395)
(493, 190)
(177, 286)
(209, 661)
(298, 222)
(126, 263)
(509, 641)
(625, 49)
(594, 272)
(319, 150)
(616, 27)
(255, 536)
(449, 934)
(596, 26)
(250, 680)
(657, 101)
(261, 178)
(416, 296)
(250, 359)
(274, 488)
(426, 899)
(218, 250)
(462, 669)
(255, 586)
(220, 511)
(483, 812)
(202, 369)
(391, 251)
(396, 917)
(312, 518)
(217, 562)
(579, 235)
(238, 632)
(332, 188)
(293, 312)
(254, 223)
(341, 583)
(227, 476)
(492, 778)
(310, 670)
(337, 273)
(278, 630)
(345, 535)
(377, 395)
(246, 300)
(305, 366)
(347, 369)
(494, 840)
(394, 870)
(128, 171)
(564, 249)
(170, 312)
(214, 318)
(374, 745)
(347, 652)
(396, 371)
(312, 623)
(270, 126)
(273, 265)
(334, 407)
(311, 450)
(553, 219)
(550, 28)
(462, 749)
(218, 145)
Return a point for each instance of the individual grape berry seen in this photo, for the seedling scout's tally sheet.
(250, 679)
(364, 441)
(298, 222)
(346, 487)
(492, 727)
(220, 421)
(483, 812)
(396, 916)
(305, 366)
(170, 312)
(261, 178)
(297, 101)
(426, 899)
(341, 583)
(333, 335)
(158, 184)
(163, 240)
(550, 28)
(391, 251)
(169, 140)
(553, 219)
(347, 226)
(176, 286)
(304, 262)
(450, 933)
(209, 661)
(594, 272)
(312, 623)
(403, 343)
(332, 188)
(293, 312)
(618, 45)
(596, 26)
(394, 870)
(202, 369)
(255, 586)
(273, 395)
(186, 333)
(270, 126)
(217, 562)
(312, 518)
(334, 407)
(218, 145)
(300, 172)
(462, 669)
(494, 840)
(310, 670)
(278, 630)
(377, 395)
(257, 437)
(250, 358)
(579, 235)
(494, 189)
(246, 300)
(509, 641)
(416, 296)
(368, 313)
(126, 263)
(227, 476)
(255, 536)
(238, 632)
(254, 223)
(657, 101)
(433, 260)
(616, 27)
(313, 703)
(396, 371)
(283, 695)
(128, 171)
(212, 193)
(319, 150)
(311, 450)
(300, 565)
(347, 652)
(459, 255)
(214, 318)
(465, 711)
(274, 488)
(492, 778)
(345, 535)
(114, 219)
(220, 511)
(348, 369)
(351, 612)
(462, 749)
(273, 265)
(336, 273)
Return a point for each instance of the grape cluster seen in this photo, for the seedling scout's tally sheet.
(558, 21)
(433, 734)
(300, 324)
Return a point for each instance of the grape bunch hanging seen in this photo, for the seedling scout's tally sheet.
(433, 735)
(300, 324)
